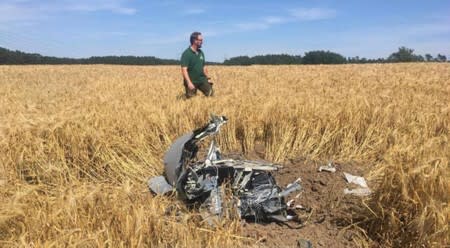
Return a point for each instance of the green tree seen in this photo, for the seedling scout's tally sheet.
(441, 58)
(323, 57)
(405, 54)
(270, 59)
(240, 60)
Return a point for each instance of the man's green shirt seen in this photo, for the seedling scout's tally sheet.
(195, 63)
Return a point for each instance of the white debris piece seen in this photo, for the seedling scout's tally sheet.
(358, 191)
(290, 203)
(361, 191)
(356, 180)
(299, 207)
(329, 167)
(298, 180)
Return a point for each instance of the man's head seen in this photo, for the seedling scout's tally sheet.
(196, 39)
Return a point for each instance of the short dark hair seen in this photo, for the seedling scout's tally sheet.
(194, 36)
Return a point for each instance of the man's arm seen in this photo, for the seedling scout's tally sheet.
(184, 71)
(205, 71)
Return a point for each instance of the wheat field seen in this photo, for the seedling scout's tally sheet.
(78, 142)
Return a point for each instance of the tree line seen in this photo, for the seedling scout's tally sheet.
(22, 58)
(403, 54)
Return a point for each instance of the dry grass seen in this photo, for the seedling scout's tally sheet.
(77, 144)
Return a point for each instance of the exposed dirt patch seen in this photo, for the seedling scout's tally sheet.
(327, 210)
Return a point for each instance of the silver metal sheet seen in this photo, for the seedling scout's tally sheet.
(172, 158)
(159, 185)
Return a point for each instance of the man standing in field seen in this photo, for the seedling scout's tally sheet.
(195, 75)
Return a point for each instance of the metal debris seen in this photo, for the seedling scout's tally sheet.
(159, 185)
(329, 167)
(301, 207)
(356, 180)
(303, 243)
(290, 203)
(363, 190)
(255, 192)
(358, 191)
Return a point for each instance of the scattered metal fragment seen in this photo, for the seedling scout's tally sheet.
(356, 180)
(290, 203)
(291, 188)
(363, 190)
(255, 193)
(299, 207)
(303, 243)
(159, 185)
(358, 191)
(329, 167)
(290, 217)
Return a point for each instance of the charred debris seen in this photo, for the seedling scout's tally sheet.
(218, 185)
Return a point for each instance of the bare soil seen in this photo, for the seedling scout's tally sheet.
(327, 212)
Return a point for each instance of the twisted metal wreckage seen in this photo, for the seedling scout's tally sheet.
(255, 194)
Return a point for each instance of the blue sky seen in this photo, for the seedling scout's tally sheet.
(84, 28)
